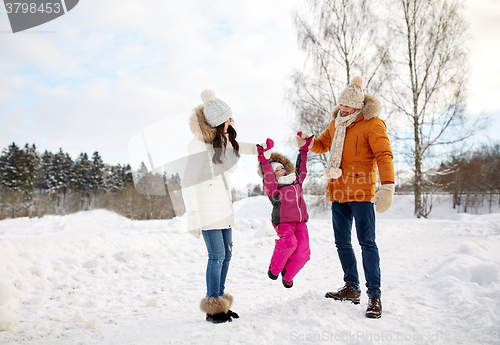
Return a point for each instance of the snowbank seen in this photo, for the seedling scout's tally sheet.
(95, 277)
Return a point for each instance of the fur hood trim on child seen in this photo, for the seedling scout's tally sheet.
(200, 127)
(278, 157)
(370, 109)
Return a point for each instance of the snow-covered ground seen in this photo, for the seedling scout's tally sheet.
(98, 278)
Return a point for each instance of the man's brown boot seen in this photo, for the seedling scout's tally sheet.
(374, 309)
(345, 293)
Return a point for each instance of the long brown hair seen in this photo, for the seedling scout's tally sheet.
(220, 143)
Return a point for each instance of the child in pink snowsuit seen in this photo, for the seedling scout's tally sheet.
(283, 184)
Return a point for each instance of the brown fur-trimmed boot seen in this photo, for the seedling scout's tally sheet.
(216, 309)
(230, 300)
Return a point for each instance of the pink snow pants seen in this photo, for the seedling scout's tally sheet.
(291, 251)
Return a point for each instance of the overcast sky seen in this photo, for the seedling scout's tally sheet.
(95, 77)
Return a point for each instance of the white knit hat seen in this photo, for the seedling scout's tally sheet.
(353, 95)
(215, 110)
(274, 165)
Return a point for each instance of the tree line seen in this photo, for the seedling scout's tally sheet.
(471, 178)
(34, 185)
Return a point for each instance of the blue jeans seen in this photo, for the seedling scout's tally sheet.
(219, 246)
(364, 216)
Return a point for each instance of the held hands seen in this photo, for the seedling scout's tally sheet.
(264, 150)
(383, 197)
(304, 141)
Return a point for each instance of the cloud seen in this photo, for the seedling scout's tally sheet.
(484, 55)
(110, 69)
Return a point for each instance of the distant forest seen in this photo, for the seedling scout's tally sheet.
(34, 185)
(472, 178)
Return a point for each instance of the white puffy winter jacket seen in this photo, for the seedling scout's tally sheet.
(206, 188)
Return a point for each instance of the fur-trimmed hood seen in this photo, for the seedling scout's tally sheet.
(278, 157)
(199, 126)
(370, 109)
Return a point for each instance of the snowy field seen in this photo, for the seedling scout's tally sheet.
(98, 278)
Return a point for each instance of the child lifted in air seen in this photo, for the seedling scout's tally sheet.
(282, 182)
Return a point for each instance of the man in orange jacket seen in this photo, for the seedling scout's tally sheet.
(358, 144)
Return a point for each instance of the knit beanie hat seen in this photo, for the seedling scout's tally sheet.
(274, 165)
(353, 95)
(215, 110)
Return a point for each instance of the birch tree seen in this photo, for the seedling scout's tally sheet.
(429, 79)
(341, 39)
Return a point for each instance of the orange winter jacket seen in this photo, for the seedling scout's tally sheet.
(366, 143)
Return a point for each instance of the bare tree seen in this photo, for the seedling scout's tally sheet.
(429, 80)
(341, 39)
(472, 178)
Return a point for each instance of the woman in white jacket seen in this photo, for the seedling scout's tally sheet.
(213, 153)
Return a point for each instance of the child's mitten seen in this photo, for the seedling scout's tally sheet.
(304, 142)
(264, 150)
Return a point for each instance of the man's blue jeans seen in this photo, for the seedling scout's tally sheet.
(364, 216)
(219, 246)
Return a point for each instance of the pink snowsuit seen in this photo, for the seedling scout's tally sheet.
(289, 217)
